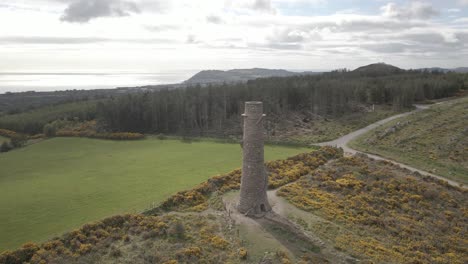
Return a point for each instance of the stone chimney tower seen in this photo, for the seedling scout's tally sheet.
(254, 182)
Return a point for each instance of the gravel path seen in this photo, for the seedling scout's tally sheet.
(343, 141)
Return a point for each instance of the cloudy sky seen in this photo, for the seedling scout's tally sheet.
(162, 35)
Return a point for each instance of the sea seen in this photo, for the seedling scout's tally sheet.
(55, 81)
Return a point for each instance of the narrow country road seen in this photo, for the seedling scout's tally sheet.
(343, 141)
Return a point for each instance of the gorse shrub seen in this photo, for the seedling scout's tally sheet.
(17, 140)
(204, 242)
(401, 218)
(8, 133)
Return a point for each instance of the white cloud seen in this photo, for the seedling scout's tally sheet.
(214, 19)
(454, 10)
(82, 11)
(463, 20)
(225, 34)
(264, 6)
(415, 10)
(300, 2)
(161, 27)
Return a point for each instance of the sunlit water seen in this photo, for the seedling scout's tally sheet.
(20, 82)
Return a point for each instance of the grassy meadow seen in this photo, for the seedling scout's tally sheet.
(2, 139)
(59, 184)
(435, 140)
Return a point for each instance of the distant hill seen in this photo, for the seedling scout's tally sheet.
(460, 69)
(379, 69)
(437, 69)
(239, 75)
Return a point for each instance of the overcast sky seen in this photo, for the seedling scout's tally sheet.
(157, 35)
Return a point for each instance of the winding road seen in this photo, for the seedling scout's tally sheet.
(343, 141)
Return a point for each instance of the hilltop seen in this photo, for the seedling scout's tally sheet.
(382, 68)
(238, 75)
(377, 69)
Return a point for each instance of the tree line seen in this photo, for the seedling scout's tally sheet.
(35, 121)
(213, 109)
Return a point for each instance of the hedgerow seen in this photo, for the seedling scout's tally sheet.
(8, 133)
(112, 136)
(89, 130)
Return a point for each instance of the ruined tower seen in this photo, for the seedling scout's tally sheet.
(254, 182)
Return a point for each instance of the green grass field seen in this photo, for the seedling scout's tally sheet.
(2, 139)
(59, 184)
(435, 140)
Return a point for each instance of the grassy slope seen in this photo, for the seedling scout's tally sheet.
(59, 184)
(3, 139)
(322, 130)
(435, 140)
(380, 213)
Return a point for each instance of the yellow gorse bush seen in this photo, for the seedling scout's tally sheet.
(397, 217)
(202, 236)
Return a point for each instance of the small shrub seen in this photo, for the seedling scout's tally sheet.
(177, 230)
(18, 141)
(49, 130)
(9, 257)
(190, 253)
(218, 242)
(150, 234)
(36, 136)
(152, 258)
(242, 253)
(116, 252)
(5, 147)
(85, 248)
(283, 257)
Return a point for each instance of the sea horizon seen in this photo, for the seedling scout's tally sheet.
(42, 81)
